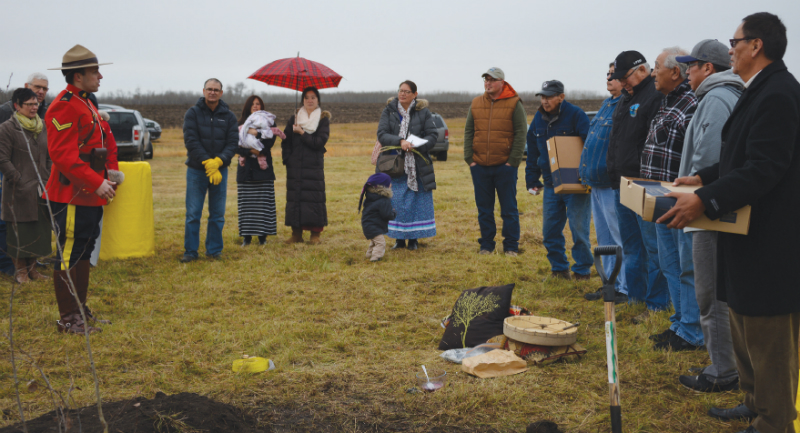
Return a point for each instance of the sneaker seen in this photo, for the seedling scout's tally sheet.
(484, 252)
(664, 336)
(699, 383)
(564, 275)
(581, 277)
(697, 370)
(594, 296)
(740, 412)
(512, 253)
(620, 298)
(677, 344)
(188, 258)
(217, 256)
(641, 318)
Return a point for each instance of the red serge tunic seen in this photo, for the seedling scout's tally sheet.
(73, 130)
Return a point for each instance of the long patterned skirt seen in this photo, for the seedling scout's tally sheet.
(414, 212)
(257, 209)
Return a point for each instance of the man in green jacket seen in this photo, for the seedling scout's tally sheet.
(494, 138)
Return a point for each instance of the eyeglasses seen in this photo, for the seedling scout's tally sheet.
(490, 80)
(736, 41)
(209, 90)
(404, 92)
(697, 63)
(30, 104)
(628, 74)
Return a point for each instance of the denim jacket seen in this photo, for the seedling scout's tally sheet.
(570, 121)
(593, 169)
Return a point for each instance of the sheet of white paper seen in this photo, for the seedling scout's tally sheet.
(415, 141)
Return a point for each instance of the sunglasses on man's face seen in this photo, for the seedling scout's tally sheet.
(736, 41)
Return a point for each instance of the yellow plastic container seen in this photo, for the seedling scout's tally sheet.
(250, 365)
(128, 225)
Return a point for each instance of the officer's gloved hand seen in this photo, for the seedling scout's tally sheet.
(215, 178)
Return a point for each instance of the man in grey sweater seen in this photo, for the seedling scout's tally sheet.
(718, 89)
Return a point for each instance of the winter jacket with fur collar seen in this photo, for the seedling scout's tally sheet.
(377, 211)
(303, 155)
(421, 125)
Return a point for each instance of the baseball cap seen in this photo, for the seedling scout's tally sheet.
(626, 61)
(708, 50)
(495, 73)
(550, 88)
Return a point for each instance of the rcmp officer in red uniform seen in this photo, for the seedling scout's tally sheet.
(78, 186)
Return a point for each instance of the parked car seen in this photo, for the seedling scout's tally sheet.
(154, 128)
(590, 114)
(131, 134)
(443, 141)
(107, 107)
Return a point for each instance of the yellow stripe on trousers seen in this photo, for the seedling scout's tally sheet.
(70, 237)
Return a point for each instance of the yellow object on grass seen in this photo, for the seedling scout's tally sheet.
(797, 406)
(128, 225)
(251, 365)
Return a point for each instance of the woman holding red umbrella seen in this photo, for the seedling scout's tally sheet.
(303, 152)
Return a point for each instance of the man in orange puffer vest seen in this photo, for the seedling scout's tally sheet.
(494, 138)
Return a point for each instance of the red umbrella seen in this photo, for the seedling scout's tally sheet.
(297, 73)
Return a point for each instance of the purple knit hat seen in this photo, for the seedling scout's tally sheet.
(377, 179)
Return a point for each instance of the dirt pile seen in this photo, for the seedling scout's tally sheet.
(188, 412)
(174, 413)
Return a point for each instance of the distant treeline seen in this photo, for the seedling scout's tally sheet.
(238, 93)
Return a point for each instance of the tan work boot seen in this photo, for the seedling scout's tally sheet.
(315, 240)
(21, 270)
(33, 274)
(297, 236)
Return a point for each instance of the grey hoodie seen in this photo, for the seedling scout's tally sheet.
(718, 95)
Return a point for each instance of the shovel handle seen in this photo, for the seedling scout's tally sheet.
(607, 250)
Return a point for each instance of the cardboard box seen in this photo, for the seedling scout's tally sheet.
(646, 198)
(565, 158)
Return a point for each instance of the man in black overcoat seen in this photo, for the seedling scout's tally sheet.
(759, 166)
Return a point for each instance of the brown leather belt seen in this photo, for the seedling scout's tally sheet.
(96, 160)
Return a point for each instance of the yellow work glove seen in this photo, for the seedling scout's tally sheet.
(215, 178)
(212, 165)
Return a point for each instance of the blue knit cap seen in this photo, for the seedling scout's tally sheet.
(377, 179)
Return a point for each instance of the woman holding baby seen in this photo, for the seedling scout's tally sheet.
(255, 177)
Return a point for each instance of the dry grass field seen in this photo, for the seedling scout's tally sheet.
(345, 334)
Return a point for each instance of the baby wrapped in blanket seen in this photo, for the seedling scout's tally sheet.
(261, 122)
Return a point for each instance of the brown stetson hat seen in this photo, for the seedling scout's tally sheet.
(78, 57)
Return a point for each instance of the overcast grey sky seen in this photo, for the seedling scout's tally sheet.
(159, 45)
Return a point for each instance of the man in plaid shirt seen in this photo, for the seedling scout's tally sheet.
(661, 160)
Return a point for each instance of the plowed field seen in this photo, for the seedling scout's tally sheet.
(171, 116)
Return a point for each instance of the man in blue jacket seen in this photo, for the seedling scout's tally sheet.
(594, 172)
(211, 135)
(558, 117)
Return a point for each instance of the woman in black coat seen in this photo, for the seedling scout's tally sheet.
(412, 192)
(303, 152)
(255, 182)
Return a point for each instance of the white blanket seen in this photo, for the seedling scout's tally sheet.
(262, 121)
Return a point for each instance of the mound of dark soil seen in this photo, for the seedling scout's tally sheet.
(175, 413)
(193, 413)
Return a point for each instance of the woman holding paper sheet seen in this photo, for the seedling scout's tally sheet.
(407, 119)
